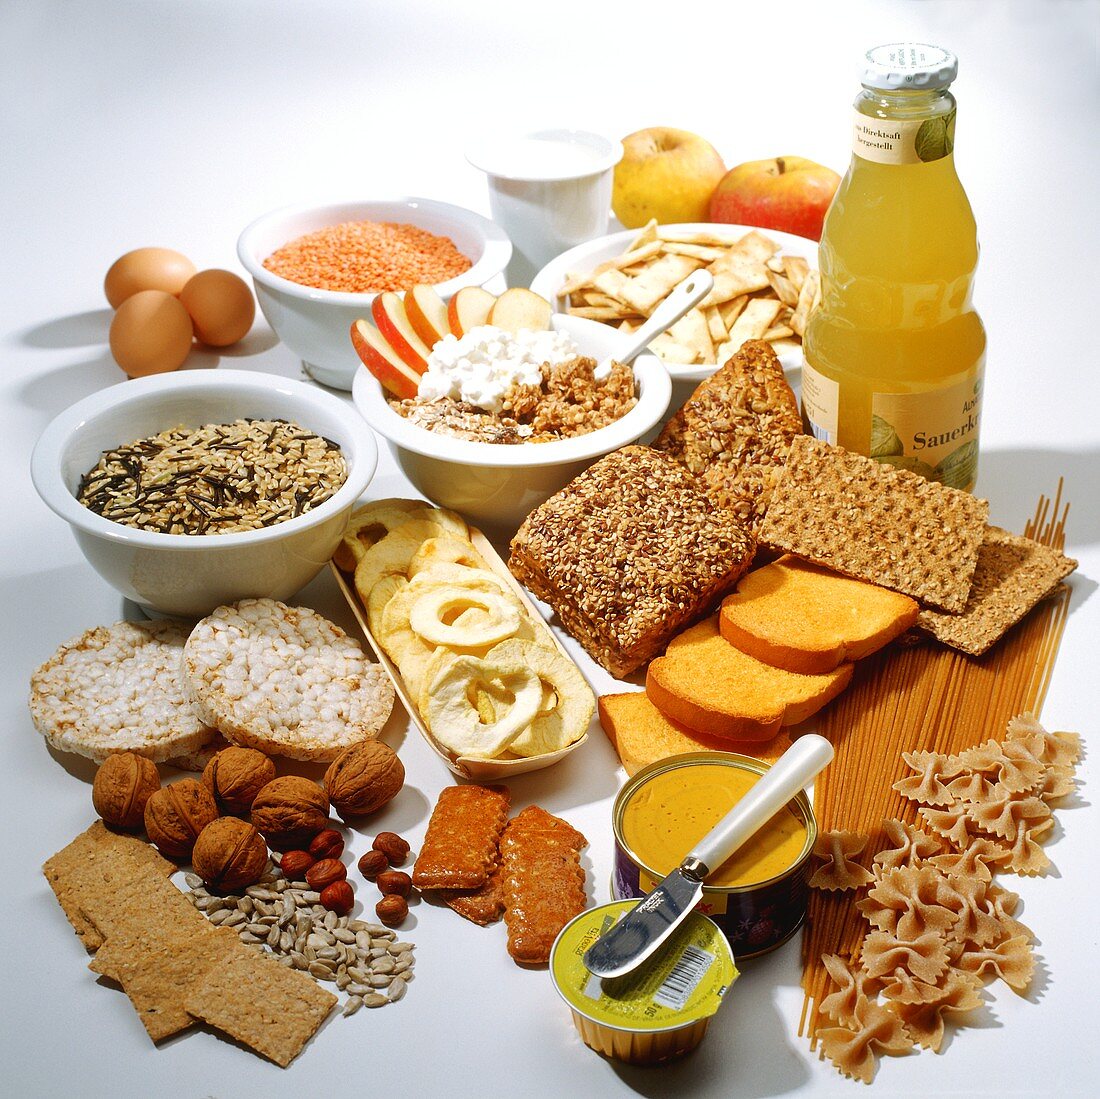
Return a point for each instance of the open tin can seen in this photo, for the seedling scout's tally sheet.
(755, 917)
(656, 1013)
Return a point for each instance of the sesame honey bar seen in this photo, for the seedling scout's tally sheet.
(874, 522)
(461, 844)
(543, 881)
(484, 905)
(1012, 575)
(628, 553)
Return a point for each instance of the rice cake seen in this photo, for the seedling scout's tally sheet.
(1013, 574)
(628, 553)
(284, 680)
(117, 689)
(874, 522)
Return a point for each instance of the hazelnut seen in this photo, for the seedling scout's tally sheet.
(338, 898)
(235, 776)
(325, 872)
(294, 864)
(289, 811)
(392, 909)
(373, 863)
(176, 814)
(328, 844)
(392, 846)
(229, 854)
(395, 882)
(362, 778)
(123, 784)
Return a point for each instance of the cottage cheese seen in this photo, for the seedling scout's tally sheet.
(482, 366)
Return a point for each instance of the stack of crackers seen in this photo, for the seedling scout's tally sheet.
(177, 968)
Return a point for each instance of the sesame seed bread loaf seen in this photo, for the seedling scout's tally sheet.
(735, 430)
(804, 618)
(714, 688)
(628, 553)
(117, 689)
(284, 680)
(642, 735)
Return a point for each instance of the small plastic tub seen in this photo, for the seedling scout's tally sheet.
(673, 803)
(662, 1009)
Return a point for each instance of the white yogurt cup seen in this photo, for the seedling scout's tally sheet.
(549, 190)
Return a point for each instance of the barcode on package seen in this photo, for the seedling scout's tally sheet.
(685, 975)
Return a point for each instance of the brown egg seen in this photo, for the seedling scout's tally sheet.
(146, 269)
(150, 334)
(221, 306)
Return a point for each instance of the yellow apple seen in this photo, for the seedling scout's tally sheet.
(665, 174)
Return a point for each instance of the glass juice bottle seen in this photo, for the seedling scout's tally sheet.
(895, 352)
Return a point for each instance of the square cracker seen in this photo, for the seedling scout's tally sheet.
(461, 844)
(874, 522)
(271, 1008)
(1013, 574)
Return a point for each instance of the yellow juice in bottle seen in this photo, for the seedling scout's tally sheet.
(895, 352)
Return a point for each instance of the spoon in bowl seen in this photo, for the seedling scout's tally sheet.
(680, 300)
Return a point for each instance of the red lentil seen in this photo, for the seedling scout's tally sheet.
(368, 257)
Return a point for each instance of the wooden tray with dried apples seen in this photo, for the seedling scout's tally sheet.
(567, 705)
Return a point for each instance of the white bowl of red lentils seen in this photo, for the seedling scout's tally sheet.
(316, 269)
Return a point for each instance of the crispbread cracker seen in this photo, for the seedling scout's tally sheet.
(116, 689)
(1012, 575)
(461, 845)
(543, 882)
(628, 553)
(735, 430)
(284, 680)
(97, 863)
(877, 523)
(271, 1008)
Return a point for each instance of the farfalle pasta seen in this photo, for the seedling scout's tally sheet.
(1011, 960)
(851, 987)
(925, 957)
(840, 870)
(924, 1016)
(873, 1029)
(926, 784)
(907, 902)
(912, 845)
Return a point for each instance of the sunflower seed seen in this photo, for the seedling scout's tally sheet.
(374, 999)
(384, 965)
(362, 940)
(396, 989)
(318, 970)
(354, 1003)
(343, 935)
(193, 880)
(399, 948)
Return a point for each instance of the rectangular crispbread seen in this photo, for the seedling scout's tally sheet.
(1013, 574)
(874, 522)
(462, 842)
(628, 553)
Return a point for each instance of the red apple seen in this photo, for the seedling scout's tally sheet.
(789, 193)
(469, 308)
(518, 308)
(427, 313)
(379, 358)
(388, 311)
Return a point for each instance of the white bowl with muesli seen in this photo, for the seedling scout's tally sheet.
(189, 490)
(495, 465)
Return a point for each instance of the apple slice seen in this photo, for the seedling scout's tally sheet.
(469, 308)
(427, 313)
(388, 311)
(381, 360)
(518, 308)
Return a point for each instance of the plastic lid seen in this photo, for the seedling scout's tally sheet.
(901, 65)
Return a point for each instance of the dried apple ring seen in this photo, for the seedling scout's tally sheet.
(445, 549)
(429, 614)
(452, 716)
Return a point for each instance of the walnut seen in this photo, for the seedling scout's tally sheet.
(362, 778)
(290, 811)
(176, 814)
(229, 854)
(123, 784)
(235, 776)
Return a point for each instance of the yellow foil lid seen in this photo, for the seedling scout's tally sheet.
(682, 984)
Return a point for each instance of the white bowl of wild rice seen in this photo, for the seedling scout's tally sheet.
(301, 259)
(236, 504)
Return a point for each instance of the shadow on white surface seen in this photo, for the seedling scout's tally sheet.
(75, 330)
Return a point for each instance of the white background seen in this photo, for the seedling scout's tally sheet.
(129, 124)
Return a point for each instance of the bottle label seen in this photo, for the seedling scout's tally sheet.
(903, 141)
(934, 433)
(820, 405)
